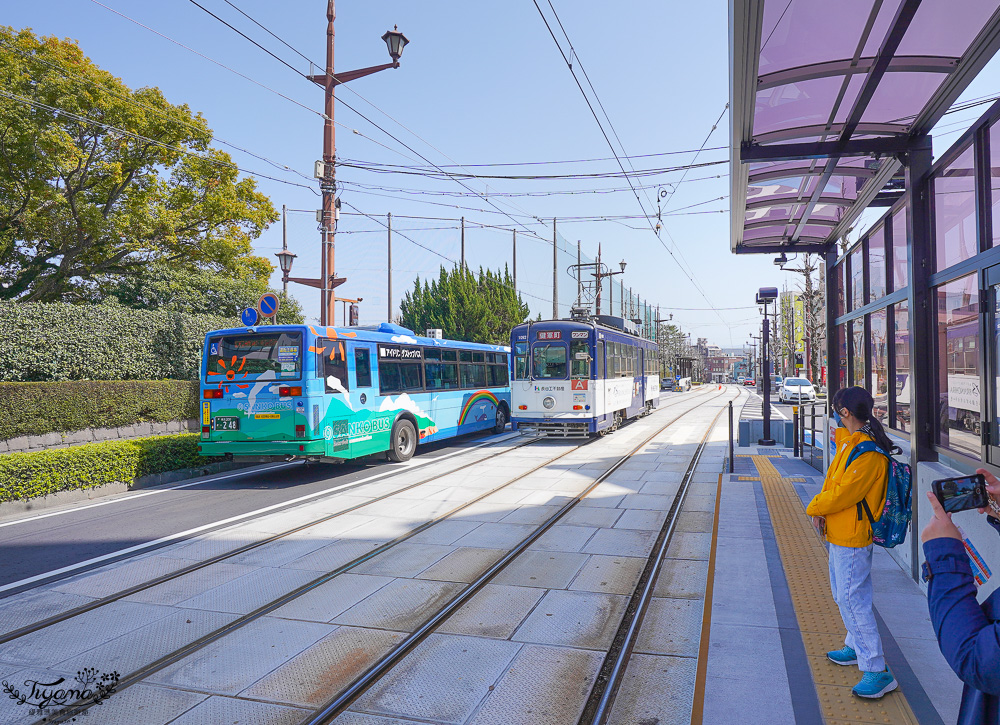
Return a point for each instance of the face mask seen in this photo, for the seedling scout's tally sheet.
(836, 417)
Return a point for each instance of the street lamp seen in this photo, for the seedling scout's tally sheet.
(285, 259)
(395, 41)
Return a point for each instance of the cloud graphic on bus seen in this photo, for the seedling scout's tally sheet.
(404, 338)
(403, 402)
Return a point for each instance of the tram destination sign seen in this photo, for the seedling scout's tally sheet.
(398, 352)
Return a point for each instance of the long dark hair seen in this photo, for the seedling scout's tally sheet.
(860, 403)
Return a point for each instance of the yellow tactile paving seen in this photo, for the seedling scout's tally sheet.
(803, 557)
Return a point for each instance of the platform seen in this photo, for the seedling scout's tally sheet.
(772, 617)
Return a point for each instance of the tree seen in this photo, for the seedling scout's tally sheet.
(200, 293)
(465, 306)
(98, 182)
(813, 316)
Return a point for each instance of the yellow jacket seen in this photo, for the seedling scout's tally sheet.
(844, 489)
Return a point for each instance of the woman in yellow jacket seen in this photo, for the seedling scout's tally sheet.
(837, 511)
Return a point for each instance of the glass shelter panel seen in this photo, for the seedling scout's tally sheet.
(857, 278)
(900, 271)
(876, 264)
(901, 351)
(842, 352)
(958, 365)
(858, 353)
(995, 181)
(955, 212)
(879, 377)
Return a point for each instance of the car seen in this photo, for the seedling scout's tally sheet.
(749, 382)
(796, 390)
(741, 379)
(666, 384)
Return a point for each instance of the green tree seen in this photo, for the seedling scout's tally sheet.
(465, 306)
(100, 181)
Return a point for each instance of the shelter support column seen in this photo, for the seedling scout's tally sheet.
(920, 251)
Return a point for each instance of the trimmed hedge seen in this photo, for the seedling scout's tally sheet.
(60, 341)
(27, 475)
(39, 408)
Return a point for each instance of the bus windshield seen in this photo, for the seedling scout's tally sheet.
(549, 361)
(264, 356)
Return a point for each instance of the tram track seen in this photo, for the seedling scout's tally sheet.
(338, 705)
(602, 696)
(74, 710)
(220, 558)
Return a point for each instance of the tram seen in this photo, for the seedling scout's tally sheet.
(579, 377)
(281, 392)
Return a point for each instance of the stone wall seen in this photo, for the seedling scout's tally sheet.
(24, 444)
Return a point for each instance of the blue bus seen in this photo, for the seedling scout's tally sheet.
(280, 392)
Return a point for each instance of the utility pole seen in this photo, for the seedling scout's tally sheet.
(463, 244)
(389, 266)
(513, 256)
(284, 247)
(555, 274)
(326, 170)
(579, 274)
(598, 278)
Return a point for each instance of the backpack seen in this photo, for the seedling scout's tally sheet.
(890, 529)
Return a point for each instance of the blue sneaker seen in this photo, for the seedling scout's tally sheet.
(844, 656)
(874, 685)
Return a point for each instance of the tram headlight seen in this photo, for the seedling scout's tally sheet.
(548, 402)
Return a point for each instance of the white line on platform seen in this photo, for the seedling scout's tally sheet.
(233, 519)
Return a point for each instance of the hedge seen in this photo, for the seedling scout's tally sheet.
(27, 475)
(71, 405)
(60, 341)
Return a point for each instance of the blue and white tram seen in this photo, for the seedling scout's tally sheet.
(580, 377)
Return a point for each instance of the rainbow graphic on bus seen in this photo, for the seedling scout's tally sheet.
(478, 396)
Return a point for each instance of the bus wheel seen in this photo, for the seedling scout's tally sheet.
(402, 441)
(501, 420)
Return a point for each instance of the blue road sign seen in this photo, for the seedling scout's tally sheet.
(249, 316)
(268, 305)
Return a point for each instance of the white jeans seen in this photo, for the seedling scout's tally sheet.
(851, 582)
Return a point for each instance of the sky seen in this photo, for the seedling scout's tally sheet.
(480, 83)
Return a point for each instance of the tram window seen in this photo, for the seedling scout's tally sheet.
(521, 361)
(465, 356)
(600, 360)
(579, 366)
(549, 361)
(333, 362)
(449, 355)
(473, 376)
(498, 376)
(432, 353)
(478, 357)
(441, 376)
(363, 367)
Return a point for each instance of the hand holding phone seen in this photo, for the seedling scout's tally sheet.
(962, 493)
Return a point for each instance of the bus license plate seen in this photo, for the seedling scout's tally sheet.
(226, 423)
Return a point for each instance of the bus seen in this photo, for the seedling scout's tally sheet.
(284, 392)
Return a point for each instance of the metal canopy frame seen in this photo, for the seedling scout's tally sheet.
(828, 148)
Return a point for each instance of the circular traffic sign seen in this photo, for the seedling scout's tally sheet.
(249, 316)
(268, 305)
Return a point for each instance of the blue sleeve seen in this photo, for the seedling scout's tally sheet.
(968, 640)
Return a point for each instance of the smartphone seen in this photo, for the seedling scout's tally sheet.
(962, 493)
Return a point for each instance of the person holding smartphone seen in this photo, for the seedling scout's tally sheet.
(968, 634)
(836, 510)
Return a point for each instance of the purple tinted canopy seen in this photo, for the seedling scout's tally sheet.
(825, 95)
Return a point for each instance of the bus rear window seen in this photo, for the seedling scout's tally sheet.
(266, 356)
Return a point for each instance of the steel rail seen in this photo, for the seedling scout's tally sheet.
(609, 677)
(97, 603)
(336, 706)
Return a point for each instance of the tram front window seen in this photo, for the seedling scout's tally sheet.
(521, 361)
(579, 360)
(549, 361)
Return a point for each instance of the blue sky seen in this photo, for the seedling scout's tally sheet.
(480, 83)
